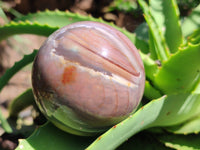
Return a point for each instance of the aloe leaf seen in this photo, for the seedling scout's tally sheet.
(16, 67)
(188, 127)
(165, 111)
(181, 142)
(3, 15)
(44, 23)
(21, 102)
(150, 92)
(159, 48)
(121, 5)
(192, 22)
(56, 18)
(166, 15)
(152, 47)
(150, 66)
(25, 27)
(60, 19)
(6, 77)
(181, 72)
(197, 88)
(192, 125)
(194, 38)
(142, 31)
(143, 141)
(51, 138)
(4, 123)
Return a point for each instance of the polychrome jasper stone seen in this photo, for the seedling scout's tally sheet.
(87, 76)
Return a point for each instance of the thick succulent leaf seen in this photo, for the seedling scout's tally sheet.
(3, 15)
(150, 92)
(190, 126)
(6, 77)
(181, 72)
(152, 47)
(60, 19)
(192, 22)
(4, 123)
(16, 67)
(166, 15)
(142, 31)
(165, 111)
(121, 5)
(181, 142)
(143, 141)
(21, 102)
(158, 46)
(194, 38)
(26, 27)
(48, 137)
(150, 66)
(197, 88)
(44, 23)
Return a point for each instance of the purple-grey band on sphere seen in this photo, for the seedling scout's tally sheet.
(93, 70)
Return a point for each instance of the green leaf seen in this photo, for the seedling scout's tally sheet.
(192, 22)
(151, 92)
(26, 27)
(142, 31)
(181, 142)
(51, 138)
(56, 18)
(21, 102)
(150, 66)
(152, 47)
(197, 88)
(166, 15)
(165, 111)
(181, 72)
(16, 67)
(4, 123)
(121, 5)
(143, 141)
(6, 77)
(3, 15)
(159, 48)
(188, 127)
(194, 38)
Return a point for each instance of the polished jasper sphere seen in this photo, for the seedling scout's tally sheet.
(86, 77)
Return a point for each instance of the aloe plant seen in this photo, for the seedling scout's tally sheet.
(172, 87)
